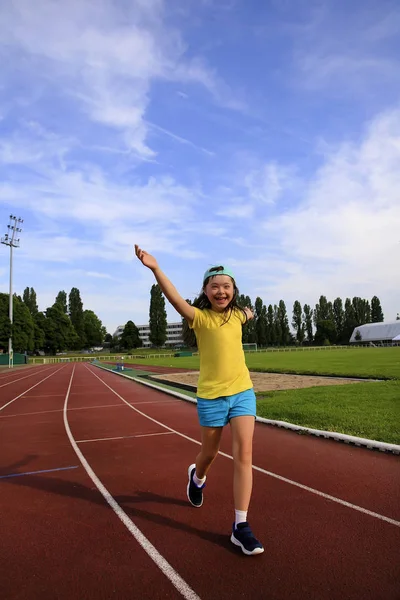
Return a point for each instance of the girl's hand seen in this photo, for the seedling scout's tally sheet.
(145, 258)
(249, 313)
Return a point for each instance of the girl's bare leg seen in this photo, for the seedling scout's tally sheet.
(242, 450)
(210, 442)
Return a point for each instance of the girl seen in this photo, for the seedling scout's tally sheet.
(225, 391)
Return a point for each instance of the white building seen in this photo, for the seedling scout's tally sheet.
(174, 334)
(376, 333)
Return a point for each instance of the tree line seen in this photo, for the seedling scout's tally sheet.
(63, 326)
(67, 326)
(327, 323)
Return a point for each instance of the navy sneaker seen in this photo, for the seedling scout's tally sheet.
(243, 536)
(194, 493)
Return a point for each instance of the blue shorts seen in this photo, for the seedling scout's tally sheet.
(219, 411)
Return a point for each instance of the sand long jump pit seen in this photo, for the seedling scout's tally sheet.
(264, 382)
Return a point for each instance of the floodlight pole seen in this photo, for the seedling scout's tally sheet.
(10, 240)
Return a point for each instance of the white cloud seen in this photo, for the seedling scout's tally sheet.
(268, 183)
(344, 236)
(105, 55)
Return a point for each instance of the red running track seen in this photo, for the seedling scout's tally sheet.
(99, 509)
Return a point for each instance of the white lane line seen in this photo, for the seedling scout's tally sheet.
(157, 402)
(31, 388)
(19, 379)
(56, 410)
(125, 437)
(271, 474)
(48, 396)
(12, 372)
(177, 581)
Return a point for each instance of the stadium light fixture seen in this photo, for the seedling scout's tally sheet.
(10, 239)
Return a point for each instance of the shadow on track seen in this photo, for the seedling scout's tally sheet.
(50, 484)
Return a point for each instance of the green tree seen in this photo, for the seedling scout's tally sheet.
(376, 310)
(60, 334)
(94, 330)
(29, 299)
(5, 325)
(277, 329)
(249, 334)
(261, 324)
(350, 321)
(362, 310)
(158, 317)
(271, 340)
(324, 321)
(61, 298)
(39, 331)
(75, 307)
(297, 322)
(308, 322)
(130, 337)
(325, 333)
(338, 315)
(188, 335)
(284, 324)
(323, 310)
(23, 327)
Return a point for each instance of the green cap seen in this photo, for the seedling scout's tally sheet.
(223, 271)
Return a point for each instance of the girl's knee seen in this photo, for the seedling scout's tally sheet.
(243, 456)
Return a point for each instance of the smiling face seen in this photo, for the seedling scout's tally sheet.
(220, 291)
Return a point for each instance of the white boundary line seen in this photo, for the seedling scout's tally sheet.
(20, 379)
(55, 410)
(124, 437)
(176, 580)
(271, 474)
(31, 388)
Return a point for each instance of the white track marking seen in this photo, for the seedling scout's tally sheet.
(31, 388)
(20, 379)
(48, 396)
(125, 437)
(11, 372)
(43, 412)
(176, 580)
(269, 473)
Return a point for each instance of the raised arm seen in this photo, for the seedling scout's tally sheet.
(171, 293)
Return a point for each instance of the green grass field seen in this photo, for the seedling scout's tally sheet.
(373, 363)
(370, 410)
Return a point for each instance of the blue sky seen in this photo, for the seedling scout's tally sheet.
(264, 134)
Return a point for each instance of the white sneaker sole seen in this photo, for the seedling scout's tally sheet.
(253, 553)
(188, 485)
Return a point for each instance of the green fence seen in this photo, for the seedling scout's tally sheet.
(19, 359)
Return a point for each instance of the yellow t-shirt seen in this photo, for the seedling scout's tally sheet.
(223, 370)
